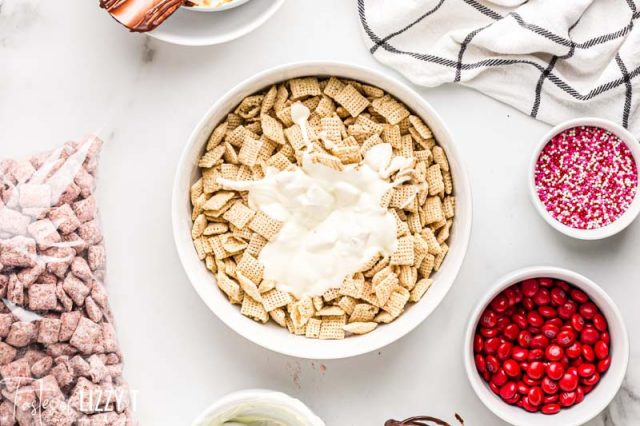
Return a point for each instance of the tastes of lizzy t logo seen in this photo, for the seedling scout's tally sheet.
(43, 398)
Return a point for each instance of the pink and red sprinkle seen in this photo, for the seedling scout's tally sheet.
(586, 177)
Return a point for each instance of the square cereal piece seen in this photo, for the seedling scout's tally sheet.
(347, 304)
(279, 317)
(272, 129)
(440, 258)
(420, 289)
(325, 107)
(432, 242)
(318, 303)
(348, 154)
(330, 311)
(363, 312)
(385, 287)
(426, 266)
(279, 161)
(352, 100)
(449, 207)
(86, 336)
(404, 254)
(297, 329)
(215, 228)
(331, 294)
(448, 182)
(282, 96)
(408, 276)
(391, 135)
(403, 195)
(256, 243)
(42, 297)
(422, 129)
(435, 180)
(249, 287)
(392, 110)
(333, 87)
(331, 328)
(303, 87)
(239, 215)
(327, 160)
(360, 328)
(440, 158)
(49, 331)
(294, 137)
(216, 136)
(265, 226)
(352, 286)
(275, 299)
(251, 268)
(254, 310)
(333, 128)
(218, 201)
(249, 152)
(269, 99)
(266, 286)
(397, 301)
(313, 328)
(229, 287)
(433, 210)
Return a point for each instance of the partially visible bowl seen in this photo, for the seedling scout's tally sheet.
(217, 5)
(586, 234)
(271, 336)
(258, 402)
(602, 393)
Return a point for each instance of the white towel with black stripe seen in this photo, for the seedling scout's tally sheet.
(552, 59)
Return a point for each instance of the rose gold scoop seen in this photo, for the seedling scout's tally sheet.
(141, 15)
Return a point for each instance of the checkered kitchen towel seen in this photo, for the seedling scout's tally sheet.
(552, 59)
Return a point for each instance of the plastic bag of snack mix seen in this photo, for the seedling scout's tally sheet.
(60, 363)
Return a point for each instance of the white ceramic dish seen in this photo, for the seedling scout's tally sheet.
(271, 336)
(598, 398)
(216, 7)
(586, 234)
(187, 28)
(258, 402)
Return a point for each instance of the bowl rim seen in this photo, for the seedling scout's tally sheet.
(174, 36)
(587, 234)
(267, 395)
(366, 343)
(621, 343)
(230, 5)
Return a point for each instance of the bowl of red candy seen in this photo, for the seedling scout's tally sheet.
(546, 342)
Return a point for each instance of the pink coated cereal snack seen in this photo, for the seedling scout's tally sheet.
(60, 364)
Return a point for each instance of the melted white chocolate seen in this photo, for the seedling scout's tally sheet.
(333, 221)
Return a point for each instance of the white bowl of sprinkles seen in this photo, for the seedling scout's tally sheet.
(271, 336)
(583, 178)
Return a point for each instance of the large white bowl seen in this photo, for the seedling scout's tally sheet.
(598, 398)
(271, 336)
(258, 402)
(586, 234)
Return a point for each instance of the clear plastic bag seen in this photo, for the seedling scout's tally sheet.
(60, 363)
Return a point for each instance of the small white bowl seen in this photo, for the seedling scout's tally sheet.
(598, 398)
(587, 234)
(258, 402)
(271, 336)
(216, 8)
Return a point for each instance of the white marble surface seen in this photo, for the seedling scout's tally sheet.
(69, 71)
